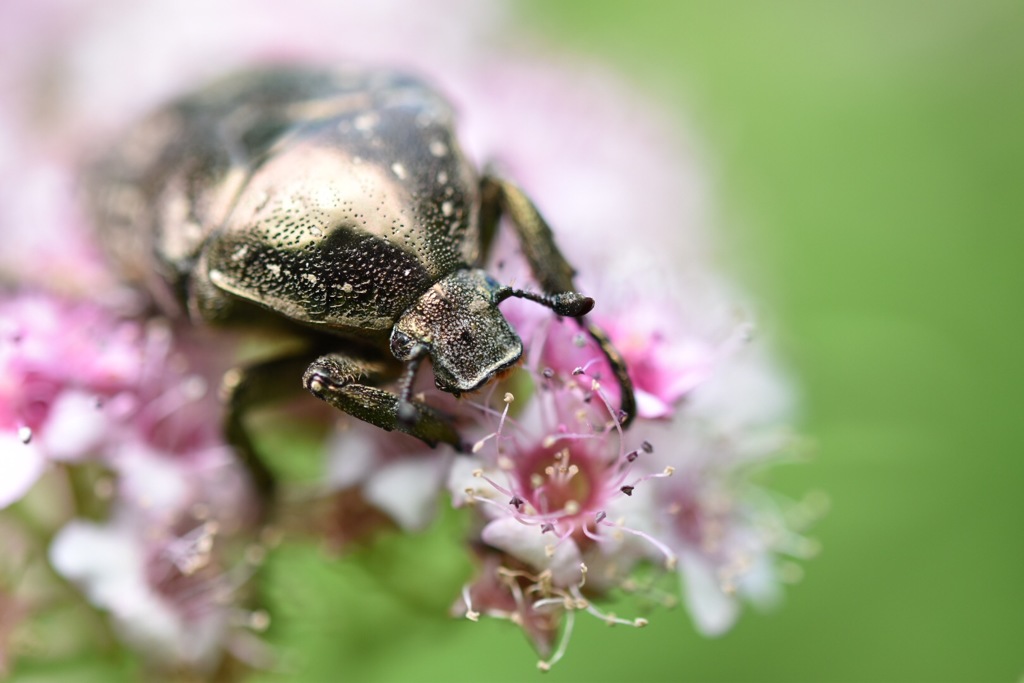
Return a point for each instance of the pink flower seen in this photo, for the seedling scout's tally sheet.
(59, 363)
(554, 485)
(732, 537)
(666, 361)
(78, 382)
(168, 593)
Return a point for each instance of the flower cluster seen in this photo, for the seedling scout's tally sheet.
(116, 413)
(570, 503)
(117, 478)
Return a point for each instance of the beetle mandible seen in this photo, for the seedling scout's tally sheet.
(337, 203)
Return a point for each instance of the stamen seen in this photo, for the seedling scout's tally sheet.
(563, 644)
(670, 556)
(606, 617)
(471, 614)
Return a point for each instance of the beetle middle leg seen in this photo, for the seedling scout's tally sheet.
(246, 388)
(553, 272)
(347, 382)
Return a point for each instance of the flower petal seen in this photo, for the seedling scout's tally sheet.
(713, 611)
(74, 427)
(528, 544)
(21, 465)
(407, 490)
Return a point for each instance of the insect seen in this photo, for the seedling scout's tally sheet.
(336, 204)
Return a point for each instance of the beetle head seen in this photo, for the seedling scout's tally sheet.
(458, 324)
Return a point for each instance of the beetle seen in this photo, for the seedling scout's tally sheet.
(338, 204)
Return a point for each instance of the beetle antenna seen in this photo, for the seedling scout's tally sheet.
(407, 413)
(627, 409)
(566, 304)
(574, 305)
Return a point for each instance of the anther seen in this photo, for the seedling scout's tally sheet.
(517, 502)
(628, 490)
(647, 447)
(259, 620)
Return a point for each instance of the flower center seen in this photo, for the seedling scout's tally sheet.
(552, 481)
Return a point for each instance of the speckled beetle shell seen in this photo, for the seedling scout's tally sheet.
(333, 198)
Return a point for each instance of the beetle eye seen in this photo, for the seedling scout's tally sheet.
(401, 345)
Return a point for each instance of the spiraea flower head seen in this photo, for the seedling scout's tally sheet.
(80, 384)
(172, 592)
(735, 540)
(59, 364)
(554, 485)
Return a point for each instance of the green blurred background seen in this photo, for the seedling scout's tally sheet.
(867, 159)
(867, 163)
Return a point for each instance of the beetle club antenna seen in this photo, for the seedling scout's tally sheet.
(566, 304)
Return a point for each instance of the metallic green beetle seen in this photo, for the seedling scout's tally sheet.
(339, 203)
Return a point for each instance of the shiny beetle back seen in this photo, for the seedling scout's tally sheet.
(333, 198)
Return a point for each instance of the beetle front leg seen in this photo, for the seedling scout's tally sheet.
(553, 272)
(346, 382)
